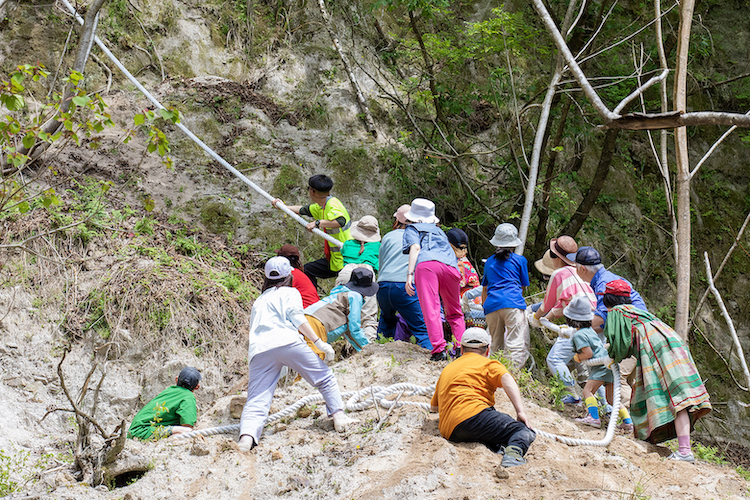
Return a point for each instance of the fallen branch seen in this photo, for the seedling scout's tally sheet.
(369, 122)
(723, 262)
(728, 318)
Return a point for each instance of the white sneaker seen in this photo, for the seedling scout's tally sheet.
(341, 421)
(688, 457)
(246, 443)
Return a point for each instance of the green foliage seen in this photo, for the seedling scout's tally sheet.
(149, 122)
(558, 390)
(708, 454)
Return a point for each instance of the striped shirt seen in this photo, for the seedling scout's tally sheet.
(564, 284)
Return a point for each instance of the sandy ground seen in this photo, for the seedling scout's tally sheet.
(303, 457)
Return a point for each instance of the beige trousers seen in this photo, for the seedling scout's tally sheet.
(509, 330)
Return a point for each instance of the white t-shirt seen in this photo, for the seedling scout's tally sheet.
(275, 319)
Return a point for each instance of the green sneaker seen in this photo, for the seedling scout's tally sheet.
(512, 457)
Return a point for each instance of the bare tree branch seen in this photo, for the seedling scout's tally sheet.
(723, 263)
(728, 318)
(712, 149)
(369, 122)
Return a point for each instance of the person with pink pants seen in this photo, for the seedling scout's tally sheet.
(434, 269)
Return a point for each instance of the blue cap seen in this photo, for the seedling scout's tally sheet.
(586, 256)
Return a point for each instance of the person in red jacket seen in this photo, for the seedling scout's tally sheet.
(300, 280)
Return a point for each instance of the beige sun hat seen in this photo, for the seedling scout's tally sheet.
(366, 229)
(545, 265)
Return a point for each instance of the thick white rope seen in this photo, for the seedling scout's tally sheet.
(356, 400)
(367, 398)
(195, 139)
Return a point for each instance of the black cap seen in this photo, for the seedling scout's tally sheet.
(362, 281)
(458, 237)
(189, 378)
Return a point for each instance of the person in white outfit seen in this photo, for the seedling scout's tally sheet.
(276, 322)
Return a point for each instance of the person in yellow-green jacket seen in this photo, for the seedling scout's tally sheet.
(330, 216)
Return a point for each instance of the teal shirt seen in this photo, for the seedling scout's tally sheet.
(587, 337)
(350, 252)
(175, 405)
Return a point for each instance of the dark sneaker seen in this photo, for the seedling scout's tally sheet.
(439, 356)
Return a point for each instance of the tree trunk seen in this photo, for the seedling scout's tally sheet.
(682, 258)
(540, 241)
(88, 33)
(600, 177)
(436, 101)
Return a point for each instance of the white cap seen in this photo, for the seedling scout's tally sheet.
(278, 267)
(476, 337)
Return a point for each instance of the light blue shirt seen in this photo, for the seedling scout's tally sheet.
(432, 241)
(330, 311)
(394, 264)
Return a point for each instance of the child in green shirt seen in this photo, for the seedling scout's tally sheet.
(173, 411)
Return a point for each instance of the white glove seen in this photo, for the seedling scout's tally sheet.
(533, 321)
(609, 363)
(328, 351)
(567, 332)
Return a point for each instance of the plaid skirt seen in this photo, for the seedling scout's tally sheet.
(666, 380)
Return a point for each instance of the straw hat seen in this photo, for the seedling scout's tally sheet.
(545, 265)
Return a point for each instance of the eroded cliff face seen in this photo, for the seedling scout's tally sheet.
(281, 108)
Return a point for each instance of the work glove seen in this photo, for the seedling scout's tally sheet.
(327, 350)
(533, 321)
(609, 363)
(576, 358)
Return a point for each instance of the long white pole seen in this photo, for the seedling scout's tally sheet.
(195, 139)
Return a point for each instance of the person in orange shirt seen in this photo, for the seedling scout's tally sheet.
(465, 399)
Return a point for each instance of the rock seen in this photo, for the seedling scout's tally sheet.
(63, 479)
(236, 405)
(501, 473)
(199, 448)
(276, 455)
(298, 482)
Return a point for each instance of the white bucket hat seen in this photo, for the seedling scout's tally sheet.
(366, 229)
(579, 309)
(422, 210)
(506, 236)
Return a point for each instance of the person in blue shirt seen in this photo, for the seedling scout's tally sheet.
(505, 275)
(589, 267)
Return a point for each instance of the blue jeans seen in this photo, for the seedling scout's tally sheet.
(392, 299)
(558, 358)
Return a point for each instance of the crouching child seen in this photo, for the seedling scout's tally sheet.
(173, 411)
(465, 399)
(587, 344)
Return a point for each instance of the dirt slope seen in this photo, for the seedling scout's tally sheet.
(306, 458)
